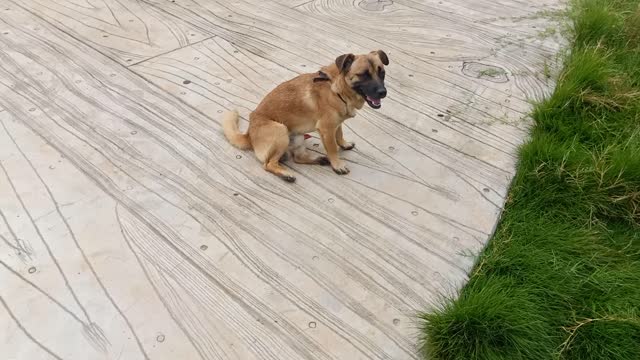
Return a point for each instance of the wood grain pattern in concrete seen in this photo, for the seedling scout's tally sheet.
(126, 31)
(130, 228)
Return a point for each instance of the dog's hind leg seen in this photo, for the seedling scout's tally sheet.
(270, 144)
(303, 156)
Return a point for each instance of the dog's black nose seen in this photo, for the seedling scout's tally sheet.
(381, 92)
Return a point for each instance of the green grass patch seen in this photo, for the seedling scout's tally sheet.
(560, 279)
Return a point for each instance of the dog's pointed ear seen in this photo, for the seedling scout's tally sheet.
(383, 57)
(343, 62)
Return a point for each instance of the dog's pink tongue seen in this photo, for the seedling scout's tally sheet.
(374, 101)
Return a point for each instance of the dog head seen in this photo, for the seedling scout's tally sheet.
(364, 74)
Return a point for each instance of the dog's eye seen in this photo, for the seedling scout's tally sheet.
(381, 73)
(364, 75)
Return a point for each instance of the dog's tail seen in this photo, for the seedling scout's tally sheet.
(232, 132)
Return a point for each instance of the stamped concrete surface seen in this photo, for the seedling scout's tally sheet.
(130, 228)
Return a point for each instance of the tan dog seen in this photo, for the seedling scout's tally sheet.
(319, 101)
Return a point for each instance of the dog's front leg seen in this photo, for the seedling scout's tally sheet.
(328, 135)
(341, 141)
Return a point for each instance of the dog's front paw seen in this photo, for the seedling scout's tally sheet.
(348, 146)
(340, 169)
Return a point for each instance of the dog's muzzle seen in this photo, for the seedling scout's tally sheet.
(374, 100)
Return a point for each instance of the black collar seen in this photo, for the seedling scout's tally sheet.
(324, 77)
(321, 77)
(345, 103)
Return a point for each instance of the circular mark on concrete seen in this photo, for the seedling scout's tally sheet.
(160, 338)
(315, 258)
(32, 109)
(303, 65)
(432, 52)
(196, 58)
(203, 247)
(193, 34)
(410, 75)
(440, 115)
(78, 81)
(216, 83)
(32, 270)
(133, 132)
(238, 156)
(183, 93)
(487, 72)
(414, 213)
(455, 238)
(112, 75)
(130, 20)
(374, 5)
(219, 111)
(330, 200)
(396, 322)
(105, 36)
(236, 51)
(391, 148)
(128, 60)
(187, 82)
(236, 194)
(312, 324)
(434, 130)
(51, 167)
(6, 33)
(486, 190)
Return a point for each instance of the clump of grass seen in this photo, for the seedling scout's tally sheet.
(560, 279)
(546, 33)
(491, 72)
(546, 70)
